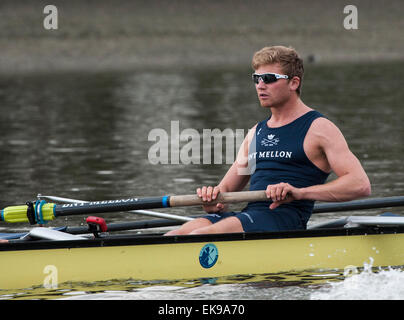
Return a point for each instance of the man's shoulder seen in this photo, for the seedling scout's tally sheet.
(323, 122)
(325, 129)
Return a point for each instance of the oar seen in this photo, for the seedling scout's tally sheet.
(143, 212)
(362, 204)
(370, 203)
(132, 225)
(117, 226)
(40, 211)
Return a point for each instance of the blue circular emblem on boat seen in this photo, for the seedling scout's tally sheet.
(208, 255)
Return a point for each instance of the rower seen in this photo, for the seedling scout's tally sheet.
(290, 155)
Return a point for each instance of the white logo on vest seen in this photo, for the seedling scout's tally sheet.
(270, 141)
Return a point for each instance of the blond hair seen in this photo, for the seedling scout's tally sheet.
(288, 58)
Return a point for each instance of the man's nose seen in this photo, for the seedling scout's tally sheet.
(261, 83)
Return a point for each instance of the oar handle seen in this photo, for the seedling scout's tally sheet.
(225, 197)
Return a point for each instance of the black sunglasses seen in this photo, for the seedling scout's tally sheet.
(268, 77)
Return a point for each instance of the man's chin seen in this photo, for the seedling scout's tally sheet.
(265, 104)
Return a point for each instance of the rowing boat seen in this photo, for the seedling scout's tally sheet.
(155, 257)
(45, 255)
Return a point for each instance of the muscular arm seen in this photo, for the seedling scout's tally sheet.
(352, 181)
(327, 149)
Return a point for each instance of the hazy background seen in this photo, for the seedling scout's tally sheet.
(105, 35)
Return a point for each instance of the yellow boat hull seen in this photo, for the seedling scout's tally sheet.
(50, 263)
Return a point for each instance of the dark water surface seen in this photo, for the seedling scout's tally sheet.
(85, 135)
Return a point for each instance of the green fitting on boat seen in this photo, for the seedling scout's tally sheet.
(16, 214)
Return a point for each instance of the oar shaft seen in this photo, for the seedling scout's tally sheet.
(93, 207)
(361, 204)
(142, 212)
(225, 197)
(121, 226)
(154, 203)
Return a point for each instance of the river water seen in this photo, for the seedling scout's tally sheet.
(92, 136)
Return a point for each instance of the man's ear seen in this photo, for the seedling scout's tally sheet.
(294, 83)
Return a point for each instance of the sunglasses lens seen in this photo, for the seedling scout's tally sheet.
(266, 78)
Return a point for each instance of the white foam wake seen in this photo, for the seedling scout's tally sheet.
(366, 285)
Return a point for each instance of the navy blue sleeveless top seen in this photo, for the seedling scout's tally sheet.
(277, 155)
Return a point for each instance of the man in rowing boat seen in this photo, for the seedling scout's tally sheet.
(290, 155)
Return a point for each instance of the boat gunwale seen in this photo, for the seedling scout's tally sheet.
(150, 239)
